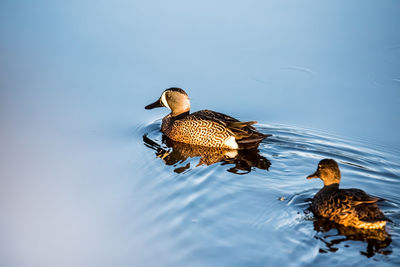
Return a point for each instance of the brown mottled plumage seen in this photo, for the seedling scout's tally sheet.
(349, 207)
(204, 128)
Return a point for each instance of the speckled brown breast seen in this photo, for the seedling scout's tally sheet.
(194, 129)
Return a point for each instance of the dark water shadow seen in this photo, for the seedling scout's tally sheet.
(178, 154)
(333, 234)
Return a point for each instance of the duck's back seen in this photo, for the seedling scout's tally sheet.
(211, 129)
(350, 207)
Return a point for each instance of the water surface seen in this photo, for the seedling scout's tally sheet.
(86, 178)
(262, 217)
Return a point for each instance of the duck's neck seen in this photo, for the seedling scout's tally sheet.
(178, 115)
(334, 186)
(331, 180)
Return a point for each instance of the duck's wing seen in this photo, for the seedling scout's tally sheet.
(245, 134)
(359, 197)
(216, 115)
(239, 128)
(224, 119)
(364, 205)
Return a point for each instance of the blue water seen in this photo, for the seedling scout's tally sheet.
(86, 178)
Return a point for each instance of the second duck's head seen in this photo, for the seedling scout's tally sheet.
(173, 98)
(328, 171)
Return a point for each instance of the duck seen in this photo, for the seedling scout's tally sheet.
(205, 127)
(349, 207)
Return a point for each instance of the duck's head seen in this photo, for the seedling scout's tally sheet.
(328, 171)
(173, 98)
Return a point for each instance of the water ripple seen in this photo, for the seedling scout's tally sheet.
(208, 204)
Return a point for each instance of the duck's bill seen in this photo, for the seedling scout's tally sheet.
(156, 104)
(314, 175)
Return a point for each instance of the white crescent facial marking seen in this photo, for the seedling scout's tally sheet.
(188, 103)
(164, 101)
(231, 143)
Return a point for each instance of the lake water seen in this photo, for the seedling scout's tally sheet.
(87, 179)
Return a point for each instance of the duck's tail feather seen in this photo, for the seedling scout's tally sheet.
(252, 141)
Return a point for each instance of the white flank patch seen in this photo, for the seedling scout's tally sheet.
(164, 101)
(231, 154)
(231, 143)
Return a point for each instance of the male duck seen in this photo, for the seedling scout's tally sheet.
(204, 128)
(349, 207)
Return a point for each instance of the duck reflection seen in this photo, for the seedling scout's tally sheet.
(176, 154)
(377, 239)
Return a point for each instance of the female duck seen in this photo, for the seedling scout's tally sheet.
(204, 128)
(349, 207)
